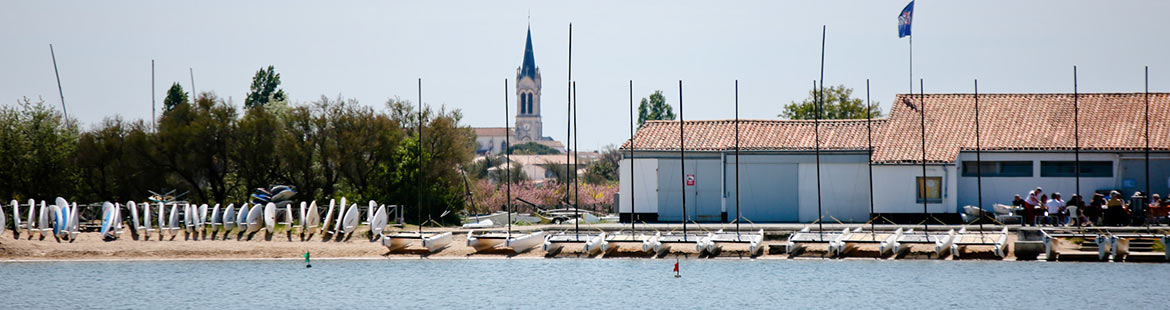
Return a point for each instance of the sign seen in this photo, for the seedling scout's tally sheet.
(1128, 183)
(690, 180)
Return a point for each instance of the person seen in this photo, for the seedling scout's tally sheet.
(1115, 214)
(1055, 208)
(1155, 209)
(1074, 206)
(1030, 205)
(1018, 207)
(1137, 209)
(1095, 209)
(1041, 209)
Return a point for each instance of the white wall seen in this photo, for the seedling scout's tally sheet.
(844, 192)
(646, 171)
(1002, 189)
(895, 190)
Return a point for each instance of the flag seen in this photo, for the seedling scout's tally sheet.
(904, 20)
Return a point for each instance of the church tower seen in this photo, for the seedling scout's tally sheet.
(528, 124)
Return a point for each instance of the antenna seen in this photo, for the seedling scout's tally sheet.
(59, 91)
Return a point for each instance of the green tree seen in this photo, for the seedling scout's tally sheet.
(175, 97)
(193, 143)
(654, 108)
(533, 148)
(265, 88)
(604, 170)
(37, 145)
(253, 151)
(838, 104)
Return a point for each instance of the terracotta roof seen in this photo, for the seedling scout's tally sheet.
(714, 135)
(1039, 122)
(490, 131)
(1020, 122)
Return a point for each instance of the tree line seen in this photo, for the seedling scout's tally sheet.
(218, 153)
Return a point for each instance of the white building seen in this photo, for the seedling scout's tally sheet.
(1026, 140)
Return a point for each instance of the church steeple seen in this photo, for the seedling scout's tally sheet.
(528, 69)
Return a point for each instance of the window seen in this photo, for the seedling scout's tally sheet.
(1089, 169)
(530, 104)
(523, 104)
(998, 168)
(932, 189)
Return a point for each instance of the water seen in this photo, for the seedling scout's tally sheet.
(578, 283)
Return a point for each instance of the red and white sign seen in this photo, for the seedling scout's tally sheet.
(690, 180)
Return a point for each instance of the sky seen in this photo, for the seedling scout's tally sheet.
(463, 51)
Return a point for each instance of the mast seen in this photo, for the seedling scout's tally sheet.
(420, 158)
(508, 159)
(632, 176)
(869, 146)
(153, 112)
(569, 133)
(1147, 125)
(738, 215)
(817, 131)
(922, 119)
(576, 162)
(59, 91)
(1076, 134)
(979, 159)
(682, 159)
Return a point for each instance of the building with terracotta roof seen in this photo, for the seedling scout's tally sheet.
(529, 127)
(1026, 141)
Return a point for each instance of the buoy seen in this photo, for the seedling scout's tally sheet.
(676, 274)
(307, 264)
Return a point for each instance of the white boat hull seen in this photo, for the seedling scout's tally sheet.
(525, 242)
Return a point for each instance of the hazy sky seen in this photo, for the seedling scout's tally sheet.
(463, 50)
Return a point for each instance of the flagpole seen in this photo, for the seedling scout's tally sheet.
(911, 64)
(1076, 134)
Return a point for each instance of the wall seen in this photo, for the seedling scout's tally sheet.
(895, 188)
(844, 192)
(646, 177)
(1133, 166)
(1002, 189)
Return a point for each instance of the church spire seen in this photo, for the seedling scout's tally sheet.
(529, 67)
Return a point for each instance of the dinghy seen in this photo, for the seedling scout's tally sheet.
(162, 221)
(4, 221)
(107, 231)
(328, 218)
(351, 220)
(229, 218)
(135, 224)
(593, 246)
(340, 215)
(281, 193)
(255, 218)
(270, 217)
(58, 217)
(378, 222)
(373, 206)
(117, 220)
(31, 224)
(16, 225)
(74, 222)
(43, 220)
(201, 218)
(288, 217)
(301, 209)
(216, 218)
(188, 219)
(147, 229)
(312, 217)
(242, 218)
(174, 220)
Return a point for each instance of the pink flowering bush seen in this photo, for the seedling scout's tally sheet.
(490, 197)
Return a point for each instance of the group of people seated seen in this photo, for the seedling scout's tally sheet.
(1101, 210)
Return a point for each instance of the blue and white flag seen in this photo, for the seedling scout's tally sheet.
(904, 20)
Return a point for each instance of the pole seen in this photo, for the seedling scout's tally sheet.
(194, 95)
(576, 164)
(682, 159)
(922, 119)
(58, 75)
(1076, 134)
(738, 215)
(1147, 124)
(911, 64)
(817, 130)
(569, 129)
(632, 214)
(420, 159)
(153, 112)
(869, 146)
(508, 159)
(978, 159)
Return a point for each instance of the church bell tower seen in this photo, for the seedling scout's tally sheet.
(528, 123)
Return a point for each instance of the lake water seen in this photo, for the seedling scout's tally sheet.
(582, 283)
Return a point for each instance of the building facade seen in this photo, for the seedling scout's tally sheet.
(1025, 141)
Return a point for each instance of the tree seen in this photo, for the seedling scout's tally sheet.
(265, 88)
(654, 108)
(175, 97)
(533, 148)
(604, 169)
(838, 104)
(37, 145)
